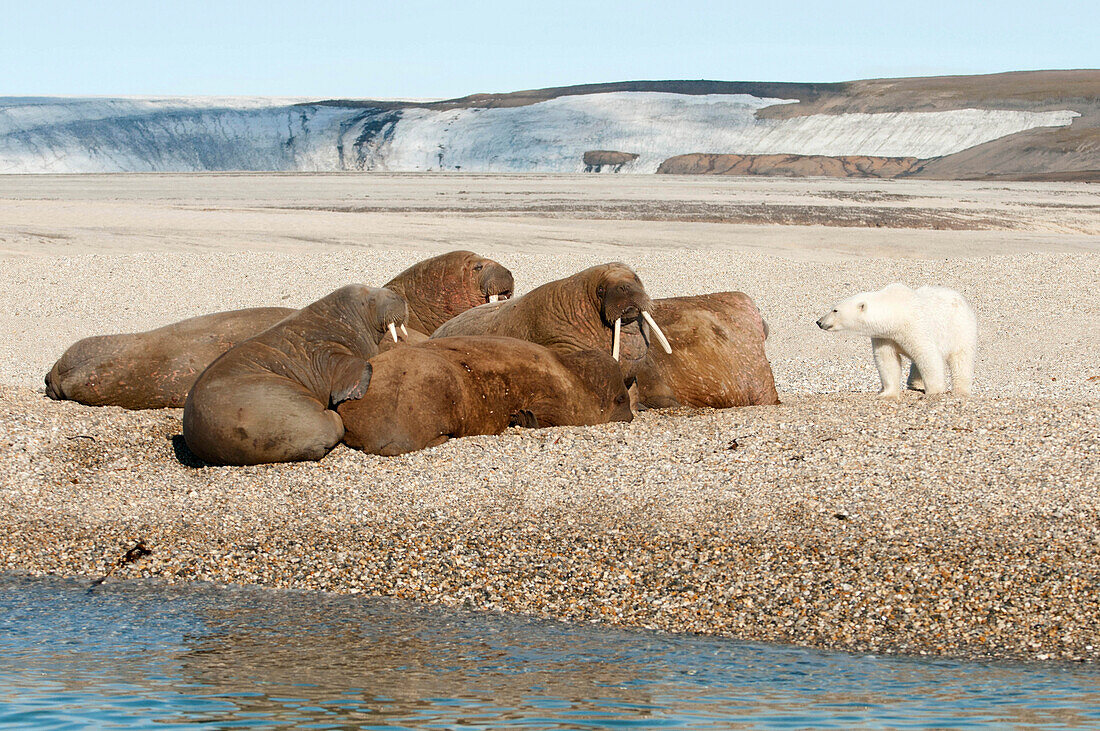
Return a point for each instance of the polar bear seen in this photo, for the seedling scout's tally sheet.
(934, 327)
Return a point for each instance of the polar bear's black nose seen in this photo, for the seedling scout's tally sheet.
(820, 325)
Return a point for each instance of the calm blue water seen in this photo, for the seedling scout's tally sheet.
(144, 655)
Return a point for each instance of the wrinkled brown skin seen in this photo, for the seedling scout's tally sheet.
(271, 398)
(569, 315)
(155, 369)
(439, 288)
(717, 359)
(414, 337)
(423, 395)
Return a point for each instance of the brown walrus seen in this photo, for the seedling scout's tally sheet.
(155, 369)
(603, 308)
(271, 398)
(719, 360)
(423, 395)
(439, 288)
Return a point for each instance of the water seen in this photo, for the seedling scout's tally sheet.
(142, 654)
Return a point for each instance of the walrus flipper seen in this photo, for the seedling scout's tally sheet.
(351, 377)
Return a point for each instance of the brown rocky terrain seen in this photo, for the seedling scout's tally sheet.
(792, 166)
(1050, 153)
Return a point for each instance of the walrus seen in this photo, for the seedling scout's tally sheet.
(719, 360)
(271, 398)
(423, 395)
(155, 369)
(439, 288)
(604, 307)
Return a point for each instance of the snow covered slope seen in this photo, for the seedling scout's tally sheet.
(195, 134)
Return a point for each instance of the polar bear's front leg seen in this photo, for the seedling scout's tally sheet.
(889, 366)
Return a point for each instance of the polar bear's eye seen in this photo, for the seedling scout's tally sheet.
(862, 306)
(834, 310)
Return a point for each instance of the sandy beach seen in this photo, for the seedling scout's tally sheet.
(939, 526)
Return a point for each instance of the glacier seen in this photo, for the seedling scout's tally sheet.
(191, 134)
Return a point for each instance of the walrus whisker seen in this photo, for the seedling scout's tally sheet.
(404, 331)
(393, 331)
(657, 331)
(615, 344)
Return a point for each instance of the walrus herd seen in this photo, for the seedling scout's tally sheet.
(156, 369)
(443, 350)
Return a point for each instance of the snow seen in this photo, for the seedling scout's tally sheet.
(249, 133)
(553, 135)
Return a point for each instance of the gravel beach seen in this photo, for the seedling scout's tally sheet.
(939, 526)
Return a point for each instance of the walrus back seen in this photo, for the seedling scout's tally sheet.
(719, 359)
(482, 320)
(156, 368)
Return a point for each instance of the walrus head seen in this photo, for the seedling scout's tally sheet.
(356, 315)
(447, 285)
(390, 313)
(494, 280)
(602, 377)
(624, 308)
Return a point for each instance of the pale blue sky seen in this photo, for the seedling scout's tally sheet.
(434, 49)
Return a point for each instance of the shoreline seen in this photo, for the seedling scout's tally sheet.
(802, 533)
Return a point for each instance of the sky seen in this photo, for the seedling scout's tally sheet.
(416, 49)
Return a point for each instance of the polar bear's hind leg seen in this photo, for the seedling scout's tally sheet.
(961, 363)
(930, 364)
(915, 383)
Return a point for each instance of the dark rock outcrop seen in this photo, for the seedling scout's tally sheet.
(596, 160)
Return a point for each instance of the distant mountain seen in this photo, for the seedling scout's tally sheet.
(1025, 125)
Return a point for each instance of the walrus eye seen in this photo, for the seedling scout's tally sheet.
(600, 290)
(478, 267)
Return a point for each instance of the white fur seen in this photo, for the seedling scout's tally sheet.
(934, 327)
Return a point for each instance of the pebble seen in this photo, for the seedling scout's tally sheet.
(945, 526)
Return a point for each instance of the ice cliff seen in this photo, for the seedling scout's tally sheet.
(195, 134)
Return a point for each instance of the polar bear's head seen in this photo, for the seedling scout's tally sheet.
(866, 313)
(847, 316)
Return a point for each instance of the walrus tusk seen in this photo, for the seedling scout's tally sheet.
(393, 331)
(657, 331)
(404, 331)
(494, 297)
(615, 344)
